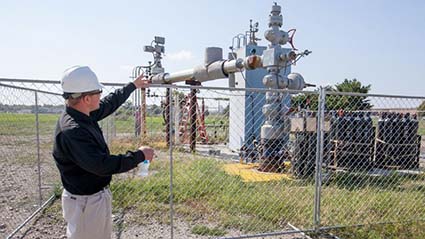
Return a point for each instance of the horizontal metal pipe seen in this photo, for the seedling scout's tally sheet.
(213, 71)
(373, 95)
(29, 89)
(269, 234)
(169, 78)
(178, 76)
(50, 81)
(30, 80)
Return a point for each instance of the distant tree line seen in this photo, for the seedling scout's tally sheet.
(337, 102)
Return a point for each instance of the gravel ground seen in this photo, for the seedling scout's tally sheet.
(19, 196)
(51, 225)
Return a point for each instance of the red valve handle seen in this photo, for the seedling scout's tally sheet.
(291, 38)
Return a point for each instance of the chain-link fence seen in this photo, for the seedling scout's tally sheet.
(226, 166)
(374, 169)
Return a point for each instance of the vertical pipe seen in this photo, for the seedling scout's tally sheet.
(319, 158)
(139, 113)
(136, 107)
(252, 120)
(203, 111)
(167, 115)
(170, 120)
(192, 116)
(176, 117)
(37, 128)
(143, 113)
(133, 110)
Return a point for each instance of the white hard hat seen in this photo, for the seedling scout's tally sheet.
(80, 79)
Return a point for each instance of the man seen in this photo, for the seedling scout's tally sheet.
(82, 156)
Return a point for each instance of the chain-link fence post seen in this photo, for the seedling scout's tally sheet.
(170, 144)
(37, 128)
(319, 157)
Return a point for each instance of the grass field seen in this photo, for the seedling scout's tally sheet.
(25, 124)
(202, 189)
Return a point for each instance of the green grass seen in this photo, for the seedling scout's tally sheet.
(207, 231)
(202, 188)
(413, 230)
(422, 129)
(202, 182)
(25, 124)
(155, 123)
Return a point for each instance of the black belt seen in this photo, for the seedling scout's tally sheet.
(104, 188)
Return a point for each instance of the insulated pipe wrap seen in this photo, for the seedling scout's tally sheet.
(215, 70)
(200, 74)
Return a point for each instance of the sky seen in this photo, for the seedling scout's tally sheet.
(375, 41)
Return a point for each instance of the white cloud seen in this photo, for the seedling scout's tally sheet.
(181, 55)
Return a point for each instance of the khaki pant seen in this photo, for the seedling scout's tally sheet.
(88, 217)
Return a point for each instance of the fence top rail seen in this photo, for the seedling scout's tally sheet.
(50, 81)
(29, 89)
(165, 86)
(29, 80)
(234, 89)
(373, 95)
(215, 88)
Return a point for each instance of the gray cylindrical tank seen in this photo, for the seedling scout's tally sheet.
(213, 54)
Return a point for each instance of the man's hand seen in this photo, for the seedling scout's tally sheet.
(141, 82)
(148, 152)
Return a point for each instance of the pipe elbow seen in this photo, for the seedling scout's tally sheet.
(253, 62)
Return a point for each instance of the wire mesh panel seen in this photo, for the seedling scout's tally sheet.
(375, 169)
(48, 107)
(236, 184)
(29, 112)
(18, 162)
(141, 204)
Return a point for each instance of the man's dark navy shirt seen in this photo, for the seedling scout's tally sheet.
(81, 153)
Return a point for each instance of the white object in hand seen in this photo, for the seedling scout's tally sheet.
(144, 168)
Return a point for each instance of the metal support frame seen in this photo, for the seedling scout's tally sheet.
(192, 116)
(37, 128)
(168, 128)
(143, 113)
(170, 121)
(319, 158)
